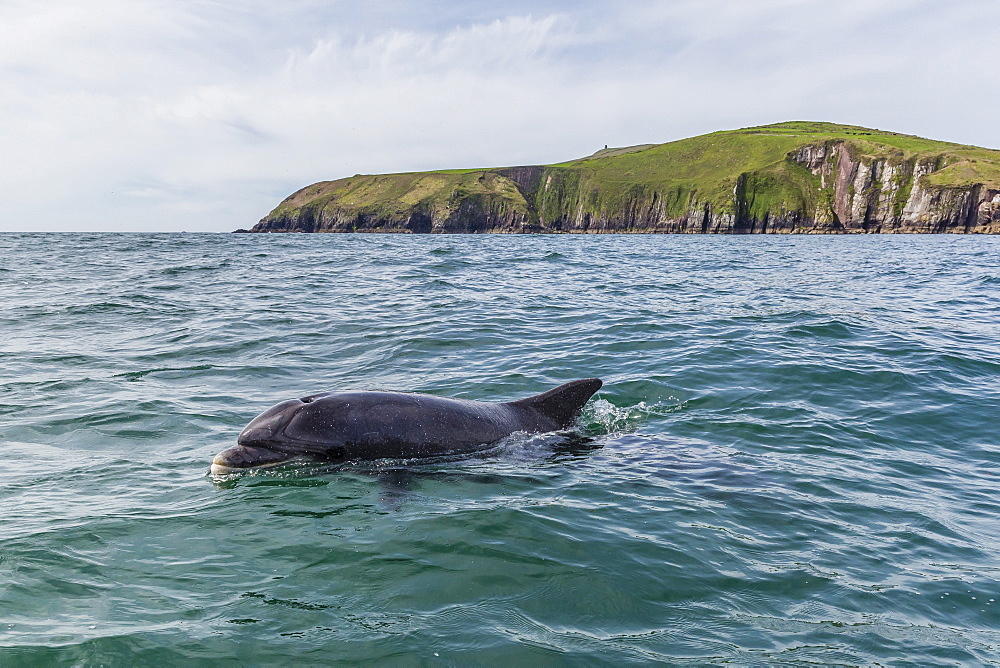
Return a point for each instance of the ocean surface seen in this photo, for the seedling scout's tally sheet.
(795, 458)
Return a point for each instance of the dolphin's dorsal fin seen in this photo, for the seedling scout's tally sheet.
(564, 403)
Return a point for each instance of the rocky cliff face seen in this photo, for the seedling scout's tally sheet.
(891, 194)
(826, 186)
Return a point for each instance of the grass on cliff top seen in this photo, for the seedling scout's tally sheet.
(794, 134)
(710, 164)
(821, 130)
(393, 195)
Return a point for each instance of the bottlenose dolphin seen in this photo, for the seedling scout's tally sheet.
(339, 426)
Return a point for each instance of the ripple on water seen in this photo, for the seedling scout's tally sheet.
(793, 459)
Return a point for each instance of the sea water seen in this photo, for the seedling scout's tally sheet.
(795, 457)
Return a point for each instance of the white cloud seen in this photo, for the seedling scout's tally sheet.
(192, 115)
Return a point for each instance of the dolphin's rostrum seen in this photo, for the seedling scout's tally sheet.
(338, 426)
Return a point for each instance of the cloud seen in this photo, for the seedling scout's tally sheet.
(149, 115)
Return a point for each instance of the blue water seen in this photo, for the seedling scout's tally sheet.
(795, 458)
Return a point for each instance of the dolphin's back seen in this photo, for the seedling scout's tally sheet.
(400, 424)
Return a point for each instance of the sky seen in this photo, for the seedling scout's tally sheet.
(202, 115)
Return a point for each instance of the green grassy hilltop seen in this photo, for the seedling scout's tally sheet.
(787, 177)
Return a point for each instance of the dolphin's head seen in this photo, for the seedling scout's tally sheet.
(282, 433)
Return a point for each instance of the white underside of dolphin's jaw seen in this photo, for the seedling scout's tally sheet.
(242, 458)
(219, 469)
(222, 469)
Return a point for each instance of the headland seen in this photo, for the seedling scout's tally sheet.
(796, 177)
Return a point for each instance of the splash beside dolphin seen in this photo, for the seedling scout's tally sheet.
(339, 426)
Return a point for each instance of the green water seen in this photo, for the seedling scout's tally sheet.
(795, 458)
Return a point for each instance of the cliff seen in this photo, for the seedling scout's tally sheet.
(795, 177)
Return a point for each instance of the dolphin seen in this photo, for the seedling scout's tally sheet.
(340, 426)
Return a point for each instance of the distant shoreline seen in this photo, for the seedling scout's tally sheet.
(811, 233)
(787, 178)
